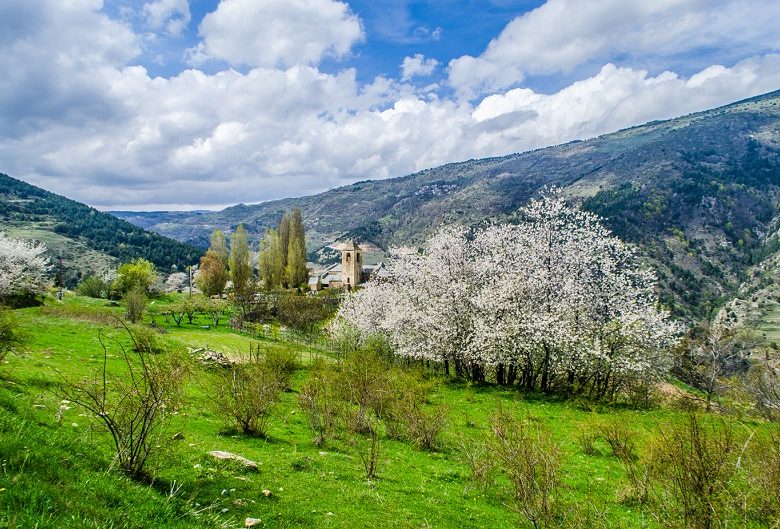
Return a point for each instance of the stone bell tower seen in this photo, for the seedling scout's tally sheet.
(351, 264)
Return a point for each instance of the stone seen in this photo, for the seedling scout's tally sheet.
(227, 456)
(178, 436)
(252, 522)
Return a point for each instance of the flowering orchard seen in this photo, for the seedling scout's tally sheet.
(24, 268)
(554, 302)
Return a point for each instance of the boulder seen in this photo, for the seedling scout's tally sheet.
(226, 456)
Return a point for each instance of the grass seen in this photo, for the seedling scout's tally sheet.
(57, 473)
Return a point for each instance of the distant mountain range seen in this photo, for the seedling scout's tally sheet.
(88, 241)
(697, 193)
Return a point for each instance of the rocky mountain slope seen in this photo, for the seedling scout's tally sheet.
(698, 193)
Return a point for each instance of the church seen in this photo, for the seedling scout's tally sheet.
(347, 274)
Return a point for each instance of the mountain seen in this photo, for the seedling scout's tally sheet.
(87, 240)
(697, 193)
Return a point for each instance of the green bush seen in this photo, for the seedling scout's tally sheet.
(93, 287)
(9, 334)
(135, 305)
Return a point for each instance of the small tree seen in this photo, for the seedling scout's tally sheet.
(135, 304)
(138, 273)
(135, 403)
(525, 453)
(212, 274)
(176, 282)
(695, 464)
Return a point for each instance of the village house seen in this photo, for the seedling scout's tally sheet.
(347, 274)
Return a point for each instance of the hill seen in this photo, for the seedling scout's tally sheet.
(698, 194)
(89, 241)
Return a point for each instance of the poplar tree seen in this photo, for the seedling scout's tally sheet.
(295, 269)
(284, 239)
(219, 246)
(270, 260)
(282, 256)
(240, 272)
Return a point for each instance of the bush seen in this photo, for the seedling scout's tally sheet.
(524, 452)
(765, 476)
(134, 404)
(303, 313)
(9, 334)
(135, 304)
(138, 274)
(248, 394)
(93, 287)
(696, 467)
(319, 400)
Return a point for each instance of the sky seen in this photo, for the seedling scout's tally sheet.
(202, 104)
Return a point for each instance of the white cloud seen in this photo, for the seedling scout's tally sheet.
(279, 32)
(78, 118)
(173, 15)
(417, 66)
(563, 34)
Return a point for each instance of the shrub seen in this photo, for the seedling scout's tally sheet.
(140, 274)
(93, 287)
(9, 334)
(524, 452)
(135, 304)
(319, 400)
(248, 394)
(696, 466)
(303, 313)
(765, 476)
(135, 404)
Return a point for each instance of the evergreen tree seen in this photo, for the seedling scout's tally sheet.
(240, 272)
(295, 269)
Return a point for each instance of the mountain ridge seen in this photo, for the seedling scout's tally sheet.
(87, 240)
(697, 193)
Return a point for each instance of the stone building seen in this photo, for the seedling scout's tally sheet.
(347, 274)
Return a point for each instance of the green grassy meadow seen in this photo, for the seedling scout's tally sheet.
(56, 465)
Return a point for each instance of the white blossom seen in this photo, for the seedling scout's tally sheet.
(23, 267)
(552, 301)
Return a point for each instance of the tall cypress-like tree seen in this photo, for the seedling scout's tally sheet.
(219, 246)
(295, 269)
(240, 272)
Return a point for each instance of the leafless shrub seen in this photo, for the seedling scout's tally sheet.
(696, 465)
(319, 400)
(248, 394)
(587, 441)
(764, 474)
(368, 444)
(135, 402)
(525, 453)
(763, 385)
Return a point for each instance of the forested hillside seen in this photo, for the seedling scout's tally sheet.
(698, 193)
(88, 240)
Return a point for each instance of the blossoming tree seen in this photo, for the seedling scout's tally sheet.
(554, 302)
(23, 268)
